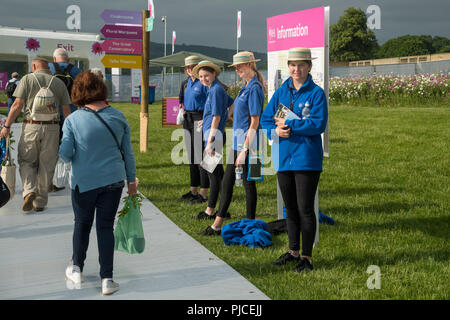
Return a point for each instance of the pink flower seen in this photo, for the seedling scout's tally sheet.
(32, 44)
(97, 48)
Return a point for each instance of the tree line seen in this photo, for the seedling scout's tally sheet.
(351, 40)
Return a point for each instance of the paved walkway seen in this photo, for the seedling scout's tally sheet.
(35, 248)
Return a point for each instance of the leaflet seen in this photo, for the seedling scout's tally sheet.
(210, 162)
(284, 112)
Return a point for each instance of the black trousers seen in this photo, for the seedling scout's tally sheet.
(215, 178)
(194, 146)
(228, 186)
(101, 203)
(298, 189)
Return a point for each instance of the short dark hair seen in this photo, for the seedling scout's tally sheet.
(88, 88)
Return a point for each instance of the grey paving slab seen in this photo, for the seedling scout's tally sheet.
(35, 249)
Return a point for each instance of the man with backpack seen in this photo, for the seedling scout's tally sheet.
(10, 87)
(39, 94)
(66, 72)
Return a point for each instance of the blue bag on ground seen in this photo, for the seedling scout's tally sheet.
(129, 233)
(247, 232)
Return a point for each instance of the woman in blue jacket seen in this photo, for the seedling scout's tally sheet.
(247, 111)
(99, 169)
(297, 152)
(215, 115)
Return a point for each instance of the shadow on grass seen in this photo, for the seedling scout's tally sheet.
(380, 259)
(385, 207)
(432, 226)
(356, 191)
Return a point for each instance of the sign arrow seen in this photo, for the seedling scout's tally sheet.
(122, 46)
(121, 61)
(122, 32)
(122, 17)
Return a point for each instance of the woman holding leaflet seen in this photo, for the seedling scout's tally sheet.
(215, 115)
(297, 152)
(248, 108)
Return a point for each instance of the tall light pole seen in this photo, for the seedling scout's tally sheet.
(164, 19)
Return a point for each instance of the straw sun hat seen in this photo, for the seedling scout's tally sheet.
(243, 57)
(205, 63)
(298, 54)
(191, 60)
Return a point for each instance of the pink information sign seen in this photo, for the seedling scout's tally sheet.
(296, 29)
(171, 110)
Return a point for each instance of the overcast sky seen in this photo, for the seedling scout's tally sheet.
(213, 22)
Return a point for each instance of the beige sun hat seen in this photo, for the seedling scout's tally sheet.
(205, 63)
(297, 54)
(243, 57)
(191, 60)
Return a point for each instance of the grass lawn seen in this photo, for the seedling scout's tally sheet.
(386, 184)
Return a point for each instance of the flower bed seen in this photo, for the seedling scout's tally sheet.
(393, 90)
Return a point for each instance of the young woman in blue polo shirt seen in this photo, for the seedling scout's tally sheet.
(248, 108)
(297, 153)
(215, 115)
(193, 97)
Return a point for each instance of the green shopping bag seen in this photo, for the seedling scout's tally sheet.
(129, 234)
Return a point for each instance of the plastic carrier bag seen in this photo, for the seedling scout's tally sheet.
(62, 172)
(129, 233)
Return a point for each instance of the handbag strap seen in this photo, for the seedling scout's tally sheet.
(109, 128)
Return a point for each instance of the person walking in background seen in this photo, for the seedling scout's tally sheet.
(10, 87)
(67, 72)
(297, 152)
(101, 161)
(37, 151)
(248, 107)
(193, 97)
(215, 115)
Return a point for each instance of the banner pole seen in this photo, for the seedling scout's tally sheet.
(144, 83)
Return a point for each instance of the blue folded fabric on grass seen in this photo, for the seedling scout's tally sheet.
(247, 232)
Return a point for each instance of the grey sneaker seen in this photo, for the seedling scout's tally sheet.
(109, 286)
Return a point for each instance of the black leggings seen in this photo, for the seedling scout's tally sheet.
(215, 178)
(228, 184)
(298, 189)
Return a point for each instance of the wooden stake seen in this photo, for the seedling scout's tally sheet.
(144, 83)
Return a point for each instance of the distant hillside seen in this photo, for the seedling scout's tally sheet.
(157, 50)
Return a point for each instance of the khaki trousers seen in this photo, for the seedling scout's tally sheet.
(37, 155)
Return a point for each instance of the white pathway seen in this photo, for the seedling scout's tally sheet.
(35, 249)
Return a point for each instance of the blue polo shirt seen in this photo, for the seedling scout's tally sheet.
(195, 95)
(249, 102)
(217, 103)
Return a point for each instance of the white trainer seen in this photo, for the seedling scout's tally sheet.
(109, 286)
(73, 273)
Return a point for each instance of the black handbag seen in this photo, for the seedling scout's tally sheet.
(4, 193)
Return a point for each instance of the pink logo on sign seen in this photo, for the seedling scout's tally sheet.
(296, 29)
